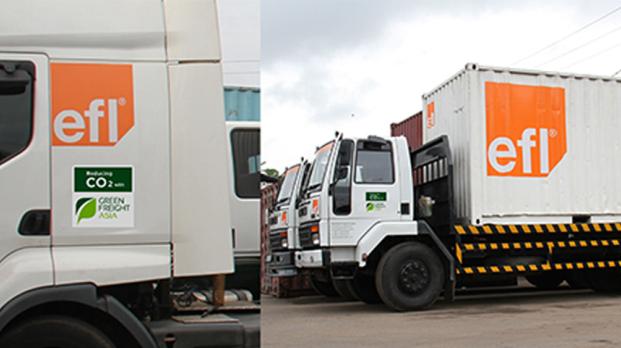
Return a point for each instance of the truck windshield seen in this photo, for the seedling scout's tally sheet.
(286, 189)
(319, 167)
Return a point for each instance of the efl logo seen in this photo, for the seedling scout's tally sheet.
(92, 104)
(525, 128)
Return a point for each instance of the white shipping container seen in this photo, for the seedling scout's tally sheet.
(530, 146)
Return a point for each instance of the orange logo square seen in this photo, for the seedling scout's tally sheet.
(92, 104)
(525, 128)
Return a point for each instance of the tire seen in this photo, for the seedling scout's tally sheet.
(323, 288)
(55, 331)
(345, 289)
(364, 287)
(410, 276)
(546, 281)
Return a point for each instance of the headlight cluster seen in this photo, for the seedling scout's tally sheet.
(284, 243)
(315, 234)
(315, 238)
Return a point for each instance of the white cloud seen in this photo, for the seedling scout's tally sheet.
(306, 98)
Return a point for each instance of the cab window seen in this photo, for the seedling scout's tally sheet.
(245, 145)
(374, 163)
(16, 99)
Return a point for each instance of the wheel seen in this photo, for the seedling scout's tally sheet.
(546, 281)
(324, 288)
(604, 280)
(410, 276)
(364, 287)
(55, 331)
(345, 289)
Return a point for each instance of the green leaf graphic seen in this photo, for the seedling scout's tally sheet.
(370, 207)
(88, 209)
(80, 203)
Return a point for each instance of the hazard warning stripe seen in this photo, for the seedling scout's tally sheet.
(562, 266)
(539, 245)
(536, 229)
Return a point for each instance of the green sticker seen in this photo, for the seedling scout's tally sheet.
(102, 179)
(370, 206)
(376, 196)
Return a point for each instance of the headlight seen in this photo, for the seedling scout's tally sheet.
(284, 243)
(315, 238)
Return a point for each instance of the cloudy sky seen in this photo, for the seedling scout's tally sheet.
(358, 65)
(240, 23)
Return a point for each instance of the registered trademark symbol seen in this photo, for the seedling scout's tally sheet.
(553, 133)
(122, 101)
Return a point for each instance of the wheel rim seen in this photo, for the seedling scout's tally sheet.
(414, 277)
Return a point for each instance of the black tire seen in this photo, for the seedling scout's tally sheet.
(54, 331)
(345, 289)
(410, 276)
(324, 288)
(364, 286)
(546, 281)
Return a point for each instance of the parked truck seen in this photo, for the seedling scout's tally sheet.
(113, 173)
(516, 176)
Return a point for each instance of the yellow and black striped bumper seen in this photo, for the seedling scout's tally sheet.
(494, 249)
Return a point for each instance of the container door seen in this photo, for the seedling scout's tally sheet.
(24, 153)
(365, 190)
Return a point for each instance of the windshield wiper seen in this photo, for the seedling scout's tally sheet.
(282, 200)
(312, 187)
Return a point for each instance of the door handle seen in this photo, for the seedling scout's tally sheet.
(35, 223)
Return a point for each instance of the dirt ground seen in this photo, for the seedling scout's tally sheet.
(521, 317)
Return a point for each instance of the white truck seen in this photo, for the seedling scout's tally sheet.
(512, 180)
(113, 173)
(284, 225)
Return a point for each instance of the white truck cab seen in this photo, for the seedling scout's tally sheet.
(113, 169)
(355, 197)
(284, 222)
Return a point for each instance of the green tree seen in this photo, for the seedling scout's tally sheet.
(272, 172)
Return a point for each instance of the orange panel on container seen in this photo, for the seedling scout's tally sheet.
(525, 129)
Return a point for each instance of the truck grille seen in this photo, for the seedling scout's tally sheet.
(275, 241)
(306, 240)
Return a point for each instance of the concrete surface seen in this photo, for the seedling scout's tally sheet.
(521, 317)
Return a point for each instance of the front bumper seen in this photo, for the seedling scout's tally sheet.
(316, 258)
(281, 264)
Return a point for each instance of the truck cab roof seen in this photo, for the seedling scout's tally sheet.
(111, 30)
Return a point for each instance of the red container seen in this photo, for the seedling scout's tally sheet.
(411, 128)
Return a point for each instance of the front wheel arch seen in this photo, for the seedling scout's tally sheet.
(82, 301)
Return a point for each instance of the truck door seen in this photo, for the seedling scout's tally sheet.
(24, 153)
(245, 198)
(364, 189)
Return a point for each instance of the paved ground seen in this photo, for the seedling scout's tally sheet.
(522, 318)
